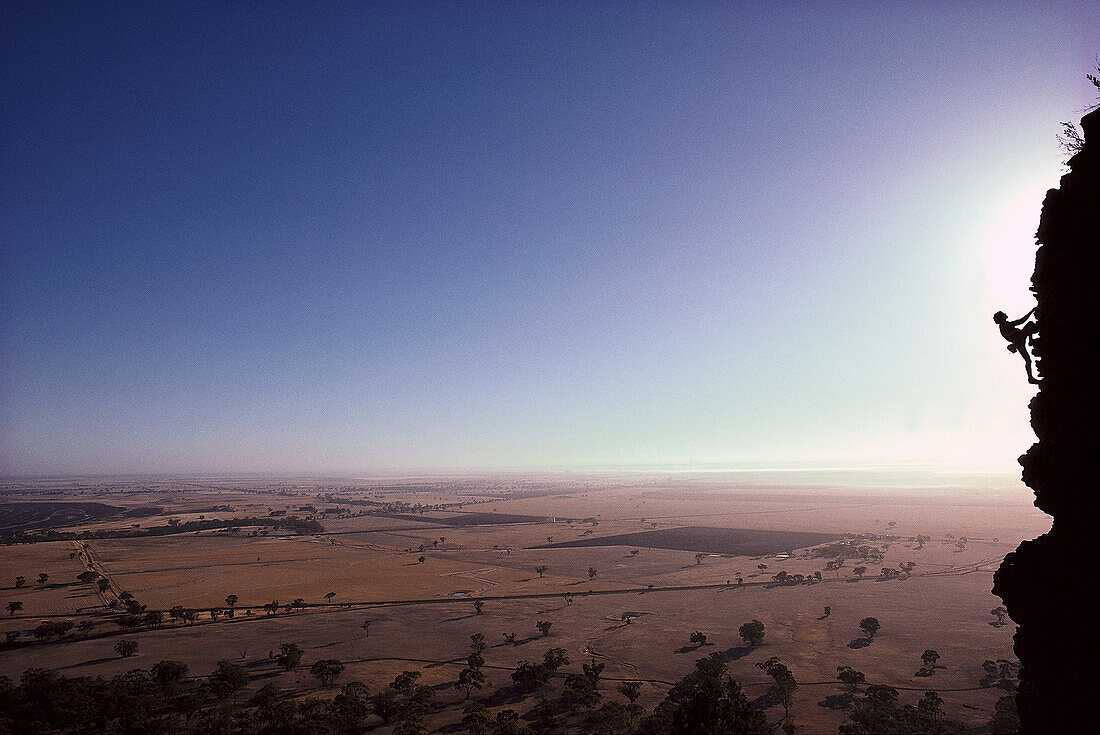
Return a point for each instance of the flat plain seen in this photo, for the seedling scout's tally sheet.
(625, 566)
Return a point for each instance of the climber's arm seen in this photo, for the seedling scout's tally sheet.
(1024, 318)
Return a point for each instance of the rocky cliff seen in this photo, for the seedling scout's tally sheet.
(1048, 583)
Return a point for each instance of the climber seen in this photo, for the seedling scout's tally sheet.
(1018, 338)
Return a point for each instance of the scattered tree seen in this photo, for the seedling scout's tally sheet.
(329, 596)
(476, 719)
(930, 657)
(1001, 614)
(290, 655)
(592, 572)
(326, 671)
(14, 606)
(870, 626)
(404, 682)
(784, 685)
(544, 626)
(42, 578)
(698, 639)
(226, 679)
(708, 700)
(541, 569)
(20, 581)
(126, 648)
(478, 605)
(859, 571)
(752, 632)
(850, 677)
(470, 679)
(169, 674)
(631, 690)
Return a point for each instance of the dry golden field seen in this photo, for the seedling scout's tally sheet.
(486, 544)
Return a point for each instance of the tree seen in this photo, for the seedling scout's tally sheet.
(544, 626)
(579, 691)
(859, 571)
(784, 685)
(470, 679)
(404, 682)
(708, 700)
(42, 578)
(329, 596)
(850, 677)
(699, 559)
(541, 569)
(1001, 614)
(931, 705)
(420, 560)
(85, 627)
(752, 632)
(385, 704)
(554, 659)
(930, 657)
(631, 690)
(476, 719)
(326, 670)
(478, 605)
(14, 606)
(365, 625)
(290, 655)
(698, 638)
(879, 711)
(870, 626)
(169, 674)
(230, 601)
(126, 648)
(592, 572)
(89, 576)
(509, 638)
(226, 679)
(20, 581)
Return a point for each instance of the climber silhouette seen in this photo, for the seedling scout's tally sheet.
(1017, 338)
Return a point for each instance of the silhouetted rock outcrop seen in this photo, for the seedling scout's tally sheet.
(1047, 584)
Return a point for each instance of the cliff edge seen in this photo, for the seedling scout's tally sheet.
(1047, 584)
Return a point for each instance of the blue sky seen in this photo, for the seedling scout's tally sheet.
(326, 238)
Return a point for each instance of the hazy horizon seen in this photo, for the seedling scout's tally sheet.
(445, 237)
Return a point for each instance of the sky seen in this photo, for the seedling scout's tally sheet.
(344, 238)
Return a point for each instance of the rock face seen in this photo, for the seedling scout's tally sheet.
(1047, 584)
